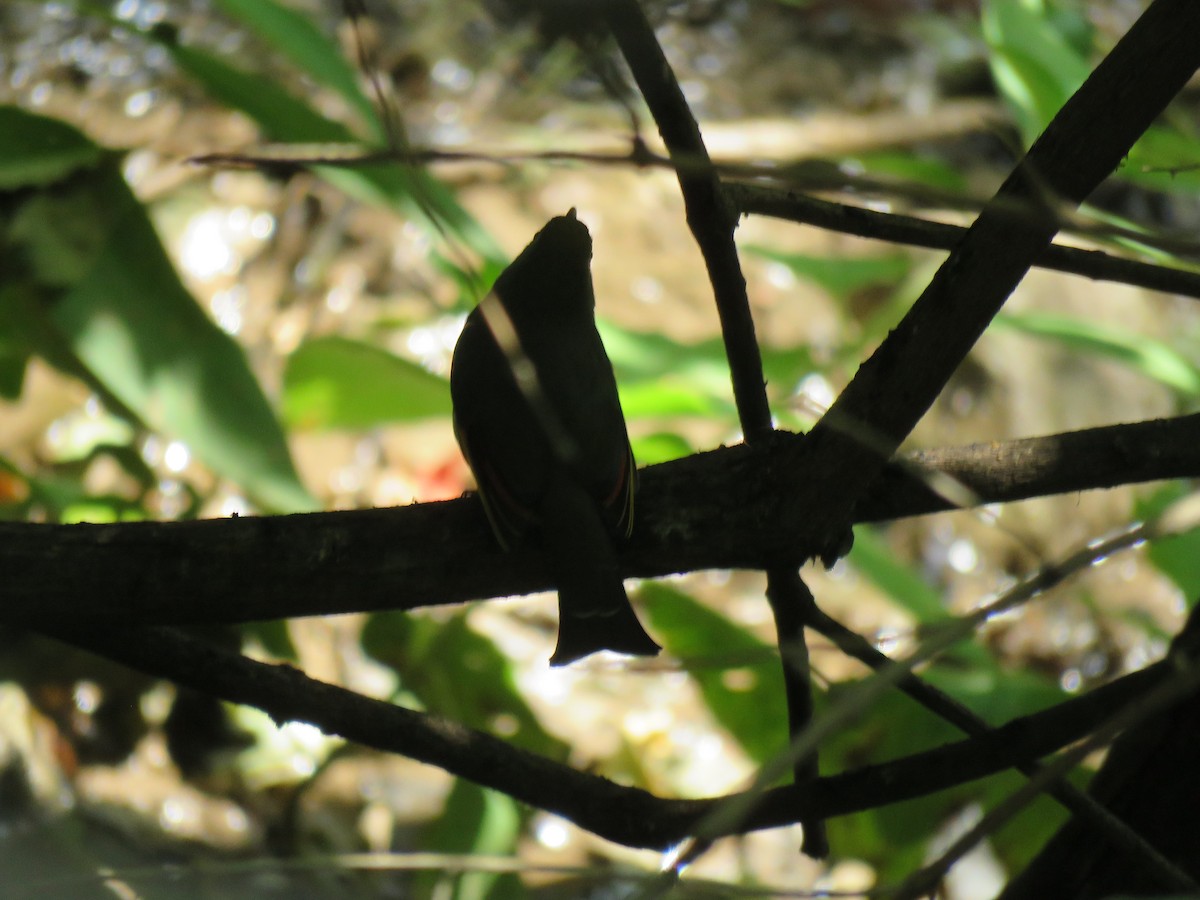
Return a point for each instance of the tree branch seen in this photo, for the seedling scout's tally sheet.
(795, 206)
(1084, 143)
(1091, 817)
(627, 815)
(712, 221)
(718, 509)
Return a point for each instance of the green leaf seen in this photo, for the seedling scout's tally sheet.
(911, 168)
(1164, 159)
(63, 499)
(903, 586)
(997, 695)
(308, 48)
(336, 382)
(661, 377)
(12, 374)
(35, 150)
(1036, 67)
(669, 396)
(17, 344)
(274, 635)
(452, 669)
(739, 676)
(62, 232)
(102, 509)
(660, 447)
(843, 276)
(285, 117)
(1150, 357)
(893, 837)
(122, 314)
(475, 821)
(26, 329)
(1020, 840)
(1177, 557)
(1039, 58)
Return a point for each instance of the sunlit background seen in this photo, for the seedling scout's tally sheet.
(341, 301)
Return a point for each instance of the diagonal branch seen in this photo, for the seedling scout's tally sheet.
(1092, 817)
(1082, 145)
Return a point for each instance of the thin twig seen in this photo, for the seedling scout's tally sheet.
(1085, 807)
(916, 232)
(712, 222)
(1182, 516)
(1186, 681)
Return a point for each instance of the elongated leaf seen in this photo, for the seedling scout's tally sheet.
(475, 821)
(670, 396)
(1178, 556)
(739, 676)
(12, 373)
(696, 376)
(1150, 357)
(844, 276)
(1039, 59)
(911, 168)
(871, 557)
(450, 668)
(1164, 158)
(1036, 68)
(661, 377)
(135, 326)
(659, 447)
(336, 382)
(112, 305)
(906, 588)
(895, 836)
(285, 117)
(35, 150)
(308, 48)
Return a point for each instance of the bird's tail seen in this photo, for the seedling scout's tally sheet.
(593, 608)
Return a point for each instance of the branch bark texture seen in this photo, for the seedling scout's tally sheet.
(718, 509)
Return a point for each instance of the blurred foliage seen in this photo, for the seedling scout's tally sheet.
(895, 838)
(478, 689)
(324, 379)
(1041, 52)
(738, 675)
(88, 288)
(1154, 359)
(1177, 557)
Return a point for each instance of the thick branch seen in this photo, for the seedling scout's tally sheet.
(706, 511)
(1082, 145)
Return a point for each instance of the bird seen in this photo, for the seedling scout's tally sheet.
(537, 416)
